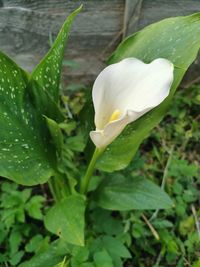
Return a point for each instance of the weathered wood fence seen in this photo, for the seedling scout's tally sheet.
(26, 27)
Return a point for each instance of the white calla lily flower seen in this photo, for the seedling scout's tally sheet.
(125, 91)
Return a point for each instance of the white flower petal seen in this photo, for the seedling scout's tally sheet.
(130, 84)
(150, 90)
(102, 138)
(125, 91)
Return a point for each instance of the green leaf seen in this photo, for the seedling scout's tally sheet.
(26, 153)
(62, 264)
(103, 259)
(50, 257)
(75, 143)
(113, 246)
(85, 264)
(66, 219)
(196, 263)
(79, 255)
(176, 39)
(182, 168)
(34, 243)
(47, 73)
(15, 240)
(44, 82)
(56, 134)
(26, 156)
(34, 207)
(135, 193)
(15, 259)
(43, 102)
(105, 222)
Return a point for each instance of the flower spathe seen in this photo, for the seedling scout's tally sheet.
(125, 91)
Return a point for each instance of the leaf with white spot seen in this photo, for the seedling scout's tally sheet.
(44, 104)
(26, 155)
(47, 73)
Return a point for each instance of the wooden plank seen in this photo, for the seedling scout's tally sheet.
(131, 16)
(145, 12)
(156, 10)
(25, 27)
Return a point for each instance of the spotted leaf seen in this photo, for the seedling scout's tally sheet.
(26, 156)
(47, 74)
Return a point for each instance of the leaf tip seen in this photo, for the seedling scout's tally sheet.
(80, 7)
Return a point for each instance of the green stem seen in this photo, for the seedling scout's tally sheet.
(58, 187)
(62, 186)
(52, 189)
(86, 179)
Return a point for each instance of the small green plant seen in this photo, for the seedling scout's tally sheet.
(94, 217)
(17, 236)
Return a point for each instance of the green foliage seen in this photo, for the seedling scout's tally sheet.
(15, 204)
(25, 141)
(50, 256)
(56, 135)
(62, 264)
(66, 219)
(49, 134)
(47, 73)
(103, 259)
(122, 193)
(179, 240)
(113, 246)
(17, 237)
(176, 39)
